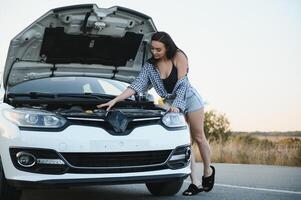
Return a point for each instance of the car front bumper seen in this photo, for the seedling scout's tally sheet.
(73, 182)
(86, 139)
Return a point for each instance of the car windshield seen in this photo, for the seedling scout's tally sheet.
(72, 85)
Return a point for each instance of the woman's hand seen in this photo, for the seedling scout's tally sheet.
(125, 94)
(109, 104)
(174, 109)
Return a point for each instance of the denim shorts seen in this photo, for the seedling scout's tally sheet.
(193, 99)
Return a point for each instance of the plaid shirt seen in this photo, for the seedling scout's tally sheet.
(150, 75)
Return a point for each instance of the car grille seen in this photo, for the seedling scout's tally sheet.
(117, 159)
(105, 125)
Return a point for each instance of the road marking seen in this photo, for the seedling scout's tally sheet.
(262, 189)
(255, 188)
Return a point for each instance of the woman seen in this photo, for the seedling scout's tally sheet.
(167, 72)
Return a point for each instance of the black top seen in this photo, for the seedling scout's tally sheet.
(170, 82)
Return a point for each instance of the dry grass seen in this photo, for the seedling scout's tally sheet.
(246, 149)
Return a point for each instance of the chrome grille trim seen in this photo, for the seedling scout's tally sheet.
(102, 120)
(85, 119)
(146, 119)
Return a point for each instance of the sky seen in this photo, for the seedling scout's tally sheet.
(244, 55)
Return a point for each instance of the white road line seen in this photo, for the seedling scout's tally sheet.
(255, 188)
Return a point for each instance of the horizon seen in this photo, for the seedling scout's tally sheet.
(244, 56)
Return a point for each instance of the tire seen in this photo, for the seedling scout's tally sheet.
(167, 188)
(7, 192)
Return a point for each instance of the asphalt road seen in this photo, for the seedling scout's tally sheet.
(233, 181)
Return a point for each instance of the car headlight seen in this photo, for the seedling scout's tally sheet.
(174, 120)
(25, 117)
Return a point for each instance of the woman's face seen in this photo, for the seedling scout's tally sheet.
(158, 49)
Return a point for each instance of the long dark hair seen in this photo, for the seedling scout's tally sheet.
(171, 47)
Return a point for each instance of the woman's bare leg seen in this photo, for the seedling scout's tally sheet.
(194, 175)
(196, 124)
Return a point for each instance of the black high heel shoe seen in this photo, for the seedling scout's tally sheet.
(208, 182)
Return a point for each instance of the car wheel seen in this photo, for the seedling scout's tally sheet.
(167, 188)
(7, 192)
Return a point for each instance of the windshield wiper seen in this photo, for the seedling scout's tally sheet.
(35, 95)
(86, 95)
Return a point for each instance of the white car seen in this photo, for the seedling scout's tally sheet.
(51, 134)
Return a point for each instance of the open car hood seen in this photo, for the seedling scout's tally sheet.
(81, 40)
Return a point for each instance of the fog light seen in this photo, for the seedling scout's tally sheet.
(26, 159)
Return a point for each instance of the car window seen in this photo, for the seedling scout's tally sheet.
(109, 87)
(71, 85)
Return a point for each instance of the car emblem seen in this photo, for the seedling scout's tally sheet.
(118, 120)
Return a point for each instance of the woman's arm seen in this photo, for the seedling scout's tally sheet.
(181, 63)
(142, 81)
(125, 94)
(138, 85)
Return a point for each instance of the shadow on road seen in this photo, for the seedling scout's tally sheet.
(92, 193)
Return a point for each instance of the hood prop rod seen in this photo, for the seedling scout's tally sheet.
(52, 69)
(84, 26)
(144, 52)
(115, 71)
